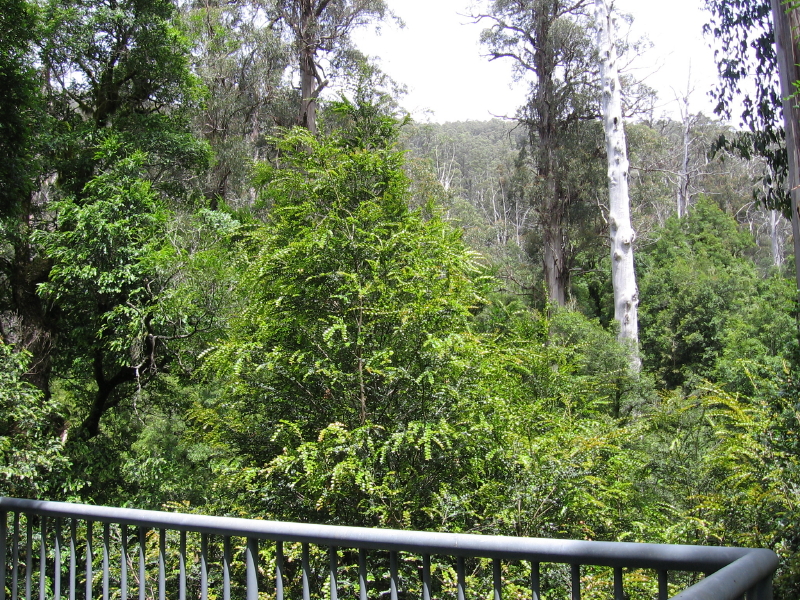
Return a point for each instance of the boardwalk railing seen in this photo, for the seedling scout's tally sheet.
(56, 537)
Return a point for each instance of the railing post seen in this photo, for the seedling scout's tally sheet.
(762, 590)
(73, 557)
(123, 563)
(226, 568)
(251, 566)
(106, 528)
(462, 592)
(618, 593)
(29, 556)
(142, 559)
(182, 568)
(306, 573)
(3, 533)
(204, 567)
(333, 567)
(279, 570)
(535, 584)
(362, 574)
(393, 575)
(15, 558)
(426, 577)
(663, 587)
(42, 557)
(576, 582)
(89, 557)
(162, 575)
(497, 579)
(57, 559)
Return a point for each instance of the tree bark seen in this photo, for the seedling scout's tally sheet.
(788, 57)
(36, 326)
(623, 276)
(683, 189)
(310, 82)
(556, 269)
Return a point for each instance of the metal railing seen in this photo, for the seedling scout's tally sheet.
(731, 573)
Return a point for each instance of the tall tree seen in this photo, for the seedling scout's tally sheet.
(786, 19)
(548, 40)
(116, 87)
(242, 61)
(623, 276)
(321, 31)
(757, 37)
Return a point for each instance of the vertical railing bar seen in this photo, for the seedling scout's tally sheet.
(182, 568)
(162, 575)
(3, 534)
(142, 564)
(42, 557)
(393, 575)
(576, 582)
(618, 593)
(203, 566)
(497, 580)
(362, 574)
(106, 528)
(251, 567)
(663, 590)
(226, 568)
(89, 557)
(332, 568)
(278, 570)
(15, 558)
(123, 563)
(73, 557)
(426, 577)
(57, 559)
(306, 573)
(764, 587)
(461, 588)
(535, 581)
(28, 556)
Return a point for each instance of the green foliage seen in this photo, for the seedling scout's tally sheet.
(18, 103)
(33, 463)
(703, 304)
(355, 302)
(102, 253)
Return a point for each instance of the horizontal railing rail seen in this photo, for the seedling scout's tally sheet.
(731, 573)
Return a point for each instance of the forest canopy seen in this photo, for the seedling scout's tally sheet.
(237, 278)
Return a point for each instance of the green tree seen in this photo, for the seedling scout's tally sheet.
(32, 459)
(19, 23)
(320, 31)
(549, 42)
(705, 300)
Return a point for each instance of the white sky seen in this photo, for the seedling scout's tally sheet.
(438, 57)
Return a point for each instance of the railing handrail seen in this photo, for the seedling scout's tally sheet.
(609, 554)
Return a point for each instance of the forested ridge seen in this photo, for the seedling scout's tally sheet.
(236, 278)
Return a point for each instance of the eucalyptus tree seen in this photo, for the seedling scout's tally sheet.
(320, 31)
(757, 39)
(239, 55)
(623, 276)
(548, 41)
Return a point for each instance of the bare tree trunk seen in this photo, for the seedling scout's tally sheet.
(623, 276)
(311, 83)
(775, 238)
(788, 58)
(683, 188)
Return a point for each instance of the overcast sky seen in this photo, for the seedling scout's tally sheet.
(438, 57)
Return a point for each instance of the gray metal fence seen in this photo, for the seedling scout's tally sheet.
(49, 531)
